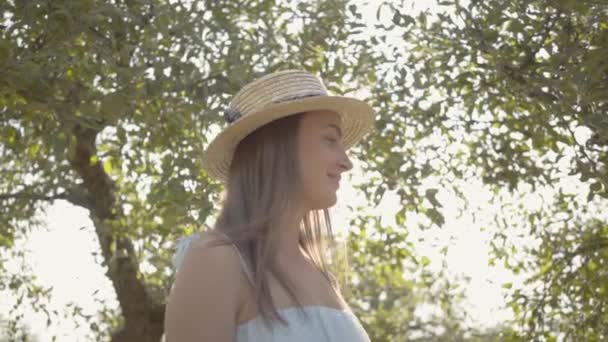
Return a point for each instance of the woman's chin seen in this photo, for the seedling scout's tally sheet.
(327, 202)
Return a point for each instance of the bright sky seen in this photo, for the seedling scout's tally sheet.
(61, 254)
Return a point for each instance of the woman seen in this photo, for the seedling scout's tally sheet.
(260, 274)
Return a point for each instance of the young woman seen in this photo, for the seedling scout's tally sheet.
(261, 273)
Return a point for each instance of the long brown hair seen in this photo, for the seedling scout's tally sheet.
(263, 183)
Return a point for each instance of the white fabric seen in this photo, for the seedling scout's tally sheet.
(181, 247)
(321, 324)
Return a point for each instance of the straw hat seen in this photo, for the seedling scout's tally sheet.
(275, 96)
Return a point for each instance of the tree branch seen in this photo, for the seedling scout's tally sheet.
(74, 196)
(28, 195)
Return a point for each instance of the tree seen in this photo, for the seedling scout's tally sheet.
(11, 331)
(565, 295)
(108, 105)
(389, 283)
(519, 91)
(504, 84)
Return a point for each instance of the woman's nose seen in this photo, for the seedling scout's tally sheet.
(345, 162)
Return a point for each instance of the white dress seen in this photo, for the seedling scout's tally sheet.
(321, 324)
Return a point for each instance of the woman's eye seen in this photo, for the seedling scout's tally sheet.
(332, 140)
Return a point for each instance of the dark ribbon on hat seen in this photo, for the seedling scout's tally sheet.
(230, 115)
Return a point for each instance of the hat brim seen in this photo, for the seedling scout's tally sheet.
(356, 121)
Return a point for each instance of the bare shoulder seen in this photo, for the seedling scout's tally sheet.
(211, 255)
(210, 240)
(207, 293)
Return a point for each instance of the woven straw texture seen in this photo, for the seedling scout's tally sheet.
(277, 95)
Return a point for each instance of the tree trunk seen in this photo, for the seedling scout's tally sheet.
(143, 317)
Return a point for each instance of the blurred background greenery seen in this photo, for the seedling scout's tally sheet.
(106, 105)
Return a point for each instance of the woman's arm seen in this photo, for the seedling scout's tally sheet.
(205, 296)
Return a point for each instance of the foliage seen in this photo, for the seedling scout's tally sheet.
(11, 332)
(570, 300)
(107, 105)
(493, 90)
(388, 285)
(518, 91)
(527, 74)
(564, 293)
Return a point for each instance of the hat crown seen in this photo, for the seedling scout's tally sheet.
(276, 88)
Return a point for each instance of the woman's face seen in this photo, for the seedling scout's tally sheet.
(322, 158)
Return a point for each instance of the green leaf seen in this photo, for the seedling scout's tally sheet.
(435, 216)
(592, 266)
(430, 195)
(107, 165)
(425, 261)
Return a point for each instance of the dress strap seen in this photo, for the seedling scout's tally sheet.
(183, 244)
(242, 260)
(181, 247)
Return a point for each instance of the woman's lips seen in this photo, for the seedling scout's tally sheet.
(335, 178)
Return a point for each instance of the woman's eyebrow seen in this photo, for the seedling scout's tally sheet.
(337, 129)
